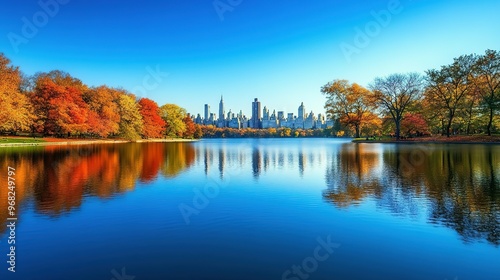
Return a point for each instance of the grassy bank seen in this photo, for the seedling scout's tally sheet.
(18, 140)
(455, 139)
(27, 141)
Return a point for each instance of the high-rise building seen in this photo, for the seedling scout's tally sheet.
(281, 115)
(265, 114)
(302, 111)
(222, 112)
(207, 112)
(273, 116)
(256, 114)
(221, 122)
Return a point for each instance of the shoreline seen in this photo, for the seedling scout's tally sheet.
(458, 139)
(423, 142)
(66, 142)
(74, 142)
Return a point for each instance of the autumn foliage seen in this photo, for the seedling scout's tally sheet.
(154, 125)
(460, 98)
(57, 104)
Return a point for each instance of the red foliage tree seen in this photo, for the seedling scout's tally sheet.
(59, 110)
(190, 127)
(414, 124)
(154, 125)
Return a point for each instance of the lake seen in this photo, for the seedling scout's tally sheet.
(253, 209)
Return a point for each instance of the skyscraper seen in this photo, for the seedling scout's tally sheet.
(302, 111)
(265, 113)
(207, 112)
(256, 114)
(222, 112)
(281, 115)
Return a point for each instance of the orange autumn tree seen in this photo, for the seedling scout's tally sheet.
(16, 111)
(154, 125)
(349, 103)
(103, 117)
(190, 127)
(58, 105)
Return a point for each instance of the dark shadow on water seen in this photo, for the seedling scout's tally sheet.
(456, 186)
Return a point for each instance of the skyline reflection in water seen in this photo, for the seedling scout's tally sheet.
(453, 185)
(456, 186)
(253, 208)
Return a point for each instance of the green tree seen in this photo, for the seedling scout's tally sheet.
(173, 116)
(449, 86)
(395, 94)
(488, 83)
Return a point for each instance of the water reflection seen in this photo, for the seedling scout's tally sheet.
(57, 178)
(456, 185)
(259, 158)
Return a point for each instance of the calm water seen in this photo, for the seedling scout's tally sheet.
(254, 209)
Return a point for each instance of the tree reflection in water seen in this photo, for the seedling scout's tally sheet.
(454, 185)
(59, 177)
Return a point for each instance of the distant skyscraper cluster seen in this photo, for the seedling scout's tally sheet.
(261, 118)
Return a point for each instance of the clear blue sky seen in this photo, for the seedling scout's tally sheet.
(279, 51)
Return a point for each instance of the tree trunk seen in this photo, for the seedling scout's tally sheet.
(490, 122)
(448, 126)
(356, 127)
(398, 129)
(468, 125)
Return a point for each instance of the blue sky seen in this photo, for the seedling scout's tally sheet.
(279, 51)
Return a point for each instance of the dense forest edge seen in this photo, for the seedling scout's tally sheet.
(458, 102)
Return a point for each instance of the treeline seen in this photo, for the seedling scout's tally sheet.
(211, 131)
(460, 98)
(57, 104)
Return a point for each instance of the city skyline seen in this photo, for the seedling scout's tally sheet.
(261, 117)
